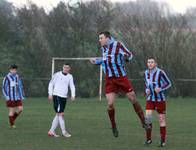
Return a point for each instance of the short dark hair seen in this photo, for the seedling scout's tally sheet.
(106, 33)
(67, 64)
(13, 66)
(152, 58)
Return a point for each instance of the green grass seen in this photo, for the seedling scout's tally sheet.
(87, 121)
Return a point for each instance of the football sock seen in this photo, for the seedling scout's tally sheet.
(111, 114)
(163, 133)
(55, 123)
(148, 132)
(138, 109)
(62, 124)
(11, 120)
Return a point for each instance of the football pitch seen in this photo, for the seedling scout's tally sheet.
(87, 121)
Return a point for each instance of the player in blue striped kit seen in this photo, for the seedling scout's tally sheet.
(114, 55)
(156, 82)
(13, 92)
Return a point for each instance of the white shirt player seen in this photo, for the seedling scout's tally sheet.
(59, 85)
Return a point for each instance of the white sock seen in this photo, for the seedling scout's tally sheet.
(62, 124)
(55, 123)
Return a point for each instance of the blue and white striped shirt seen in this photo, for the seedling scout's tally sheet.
(113, 57)
(12, 87)
(157, 78)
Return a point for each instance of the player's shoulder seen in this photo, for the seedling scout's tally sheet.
(70, 75)
(146, 71)
(57, 73)
(160, 70)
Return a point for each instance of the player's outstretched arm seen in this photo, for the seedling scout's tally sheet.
(96, 61)
(93, 60)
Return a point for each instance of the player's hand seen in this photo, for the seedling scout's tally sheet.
(157, 90)
(72, 98)
(92, 60)
(148, 92)
(50, 97)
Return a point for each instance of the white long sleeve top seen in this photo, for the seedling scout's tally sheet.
(59, 85)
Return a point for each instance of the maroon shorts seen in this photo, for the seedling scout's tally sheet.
(160, 107)
(10, 103)
(117, 84)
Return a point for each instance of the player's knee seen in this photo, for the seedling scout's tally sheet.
(149, 118)
(20, 109)
(60, 114)
(132, 97)
(11, 113)
(110, 106)
(162, 121)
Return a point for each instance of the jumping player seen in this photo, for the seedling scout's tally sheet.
(114, 56)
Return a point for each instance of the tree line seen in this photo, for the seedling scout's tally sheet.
(30, 36)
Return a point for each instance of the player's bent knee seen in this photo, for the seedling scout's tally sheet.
(132, 97)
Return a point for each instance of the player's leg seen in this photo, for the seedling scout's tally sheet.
(65, 133)
(11, 117)
(54, 125)
(11, 108)
(126, 86)
(60, 111)
(19, 109)
(137, 107)
(162, 123)
(149, 130)
(111, 112)
(55, 121)
(161, 109)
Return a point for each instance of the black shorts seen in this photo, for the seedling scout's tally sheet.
(59, 104)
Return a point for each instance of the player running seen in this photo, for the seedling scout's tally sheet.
(156, 82)
(114, 55)
(57, 91)
(13, 92)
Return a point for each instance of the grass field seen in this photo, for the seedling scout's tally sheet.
(87, 121)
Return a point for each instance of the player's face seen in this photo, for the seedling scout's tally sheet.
(103, 39)
(151, 64)
(13, 71)
(66, 68)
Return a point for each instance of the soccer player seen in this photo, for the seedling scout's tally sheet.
(114, 56)
(156, 82)
(13, 92)
(57, 91)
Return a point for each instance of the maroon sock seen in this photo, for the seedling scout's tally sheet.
(111, 114)
(148, 132)
(11, 120)
(163, 133)
(138, 109)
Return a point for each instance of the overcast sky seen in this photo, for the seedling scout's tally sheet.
(179, 6)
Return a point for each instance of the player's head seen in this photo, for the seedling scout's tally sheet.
(66, 68)
(104, 37)
(151, 63)
(13, 68)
